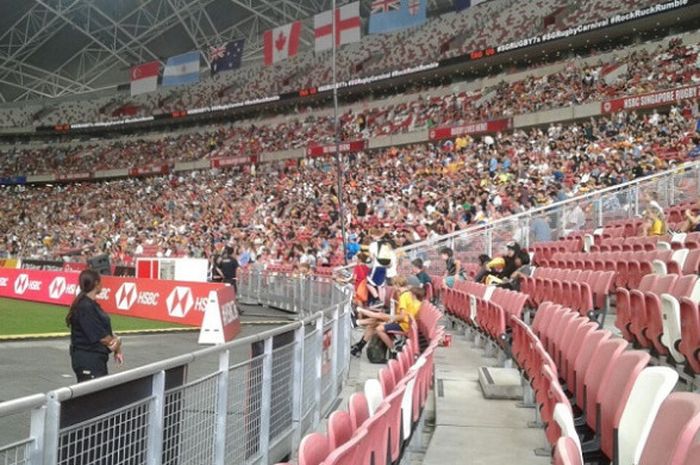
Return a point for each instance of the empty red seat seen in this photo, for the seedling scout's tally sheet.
(613, 394)
(583, 361)
(681, 287)
(624, 308)
(340, 428)
(689, 344)
(673, 433)
(641, 301)
(314, 449)
(358, 409)
(597, 373)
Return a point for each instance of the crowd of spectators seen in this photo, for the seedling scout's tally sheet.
(455, 33)
(667, 66)
(288, 212)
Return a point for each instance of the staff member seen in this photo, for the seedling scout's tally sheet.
(228, 267)
(91, 337)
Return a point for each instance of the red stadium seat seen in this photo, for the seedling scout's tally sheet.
(673, 432)
(340, 428)
(314, 449)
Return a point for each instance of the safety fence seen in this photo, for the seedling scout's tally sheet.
(586, 212)
(293, 293)
(245, 402)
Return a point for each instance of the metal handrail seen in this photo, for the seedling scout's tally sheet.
(559, 205)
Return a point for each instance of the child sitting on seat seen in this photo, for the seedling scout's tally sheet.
(407, 306)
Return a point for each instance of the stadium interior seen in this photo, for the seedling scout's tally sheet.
(500, 197)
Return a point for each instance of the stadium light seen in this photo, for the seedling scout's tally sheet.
(336, 122)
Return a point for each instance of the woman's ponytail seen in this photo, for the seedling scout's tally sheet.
(87, 280)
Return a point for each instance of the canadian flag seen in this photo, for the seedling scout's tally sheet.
(281, 42)
(347, 26)
(144, 78)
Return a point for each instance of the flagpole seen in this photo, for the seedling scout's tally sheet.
(338, 157)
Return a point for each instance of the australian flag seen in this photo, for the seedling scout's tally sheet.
(226, 57)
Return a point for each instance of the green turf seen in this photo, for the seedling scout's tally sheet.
(18, 317)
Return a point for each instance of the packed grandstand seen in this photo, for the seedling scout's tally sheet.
(558, 191)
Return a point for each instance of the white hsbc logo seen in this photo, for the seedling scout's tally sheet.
(180, 301)
(3, 282)
(126, 296)
(57, 287)
(22, 284)
(229, 312)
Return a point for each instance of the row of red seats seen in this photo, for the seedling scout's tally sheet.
(484, 308)
(651, 317)
(628, 243)
(615, 397)
(584, 291)
(629, 266)
(685, 240)
(545, 250)
(379, 421)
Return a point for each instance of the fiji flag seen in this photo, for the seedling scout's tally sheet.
(393, 15)
(182, 69)
(226, 57)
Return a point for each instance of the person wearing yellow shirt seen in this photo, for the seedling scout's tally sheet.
(407, 307)
(654, 224)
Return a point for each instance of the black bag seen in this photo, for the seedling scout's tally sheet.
(376, 350)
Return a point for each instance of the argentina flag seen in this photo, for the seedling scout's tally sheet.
(182, 69)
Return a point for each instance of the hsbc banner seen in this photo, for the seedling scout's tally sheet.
(654, 99)
(171, 301)
(484, 127)
(344, 147)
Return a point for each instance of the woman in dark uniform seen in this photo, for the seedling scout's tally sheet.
(91, 337)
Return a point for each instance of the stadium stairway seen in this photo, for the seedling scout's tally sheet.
(467, 425)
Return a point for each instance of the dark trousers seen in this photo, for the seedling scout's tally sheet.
(88, 364)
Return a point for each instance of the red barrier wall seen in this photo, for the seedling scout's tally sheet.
(171, 301)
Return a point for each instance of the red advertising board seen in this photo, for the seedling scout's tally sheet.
(172, 301)
(483, 127)
(148, 170)
(233, 161)
(651, 100)
(221, 319)
(344, 147)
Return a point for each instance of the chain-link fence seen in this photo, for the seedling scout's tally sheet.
(249, 412)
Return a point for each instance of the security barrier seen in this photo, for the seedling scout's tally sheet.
(205, 407)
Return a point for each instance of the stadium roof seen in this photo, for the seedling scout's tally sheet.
(51, 48)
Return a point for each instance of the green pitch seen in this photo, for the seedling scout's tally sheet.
(19, 318)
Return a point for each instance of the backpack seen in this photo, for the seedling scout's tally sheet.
(376, 350)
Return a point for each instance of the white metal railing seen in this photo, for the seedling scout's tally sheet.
(227, 409)
(552, 222)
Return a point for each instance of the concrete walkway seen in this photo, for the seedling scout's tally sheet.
(470, 429)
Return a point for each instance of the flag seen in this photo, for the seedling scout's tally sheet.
(393, 15)
(281, 42)
(182, 69)
(144, 78)
(384, 6)
(347, 26)
(226, 57)
(464, 4)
